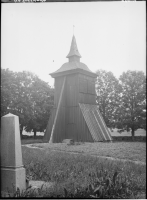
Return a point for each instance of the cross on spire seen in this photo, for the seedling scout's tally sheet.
(73, 29)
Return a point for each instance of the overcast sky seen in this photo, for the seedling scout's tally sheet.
(110, 35)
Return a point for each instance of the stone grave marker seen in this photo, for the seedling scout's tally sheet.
(13, 174)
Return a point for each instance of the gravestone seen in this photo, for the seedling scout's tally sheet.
(13, 174)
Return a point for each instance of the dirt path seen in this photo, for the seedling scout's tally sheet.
(83, 153)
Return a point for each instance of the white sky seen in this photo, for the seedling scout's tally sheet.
(109, 35)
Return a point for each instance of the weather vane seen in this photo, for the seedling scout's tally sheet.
(73, 29)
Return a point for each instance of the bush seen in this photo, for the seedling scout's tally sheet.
(101, 185)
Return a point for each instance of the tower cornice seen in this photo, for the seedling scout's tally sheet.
(74, 71)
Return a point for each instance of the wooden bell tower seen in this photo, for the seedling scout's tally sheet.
(75, 114)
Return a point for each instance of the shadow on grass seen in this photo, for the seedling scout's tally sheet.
(38, 139)
(129, 139)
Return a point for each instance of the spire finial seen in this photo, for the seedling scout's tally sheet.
(73, 29)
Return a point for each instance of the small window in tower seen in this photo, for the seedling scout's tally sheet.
(83, 85)
(91, 87)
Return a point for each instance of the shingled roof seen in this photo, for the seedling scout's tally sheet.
(74, 63)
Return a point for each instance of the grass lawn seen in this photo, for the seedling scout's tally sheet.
(30, 141)
(134, 151)
(82, 171)
(77, 172)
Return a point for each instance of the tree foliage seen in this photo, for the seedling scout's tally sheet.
(131, 114)
(7, 89)
(27, 96)
(122, 101)
(107, 90)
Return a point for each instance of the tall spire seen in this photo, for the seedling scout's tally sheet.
(73, 53)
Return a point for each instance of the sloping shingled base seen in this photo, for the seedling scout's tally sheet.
(95, 123)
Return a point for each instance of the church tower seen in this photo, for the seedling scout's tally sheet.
(75, 114)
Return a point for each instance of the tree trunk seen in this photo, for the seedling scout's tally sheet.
(21, 130)
(133, 133)
(21, 133)
(34, 130)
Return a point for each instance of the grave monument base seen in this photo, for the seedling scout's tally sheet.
(13, 178)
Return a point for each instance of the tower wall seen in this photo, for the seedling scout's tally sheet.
(86, 93)
(58, 86)
(71, 123)
(72, 90)
(72, 107)
(79, 89)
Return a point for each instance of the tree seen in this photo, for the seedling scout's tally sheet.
(27, 96)
(131, 113)
(42, 99)
(108, 91)
(14, 96)
(7, 89)
(9, 95)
